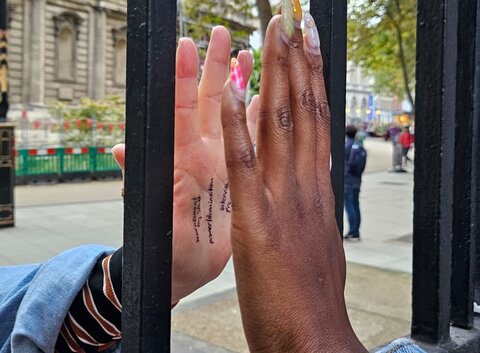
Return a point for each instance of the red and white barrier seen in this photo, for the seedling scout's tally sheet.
(80, 150)
(104, 150)
(42, 152)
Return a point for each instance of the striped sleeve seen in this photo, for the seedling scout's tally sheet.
(93, 323)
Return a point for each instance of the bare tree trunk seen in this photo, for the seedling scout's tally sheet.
(265, 14)
(401, 57)
(403, 64)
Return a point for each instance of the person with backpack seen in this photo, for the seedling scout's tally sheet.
(355, 161)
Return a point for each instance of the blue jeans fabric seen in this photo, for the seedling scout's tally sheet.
(34, 299)
(352, 207)
(402, 345)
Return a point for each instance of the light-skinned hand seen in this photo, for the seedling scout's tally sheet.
(202, 208)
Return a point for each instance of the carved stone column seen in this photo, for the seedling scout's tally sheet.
(97, 71)
(34, 54)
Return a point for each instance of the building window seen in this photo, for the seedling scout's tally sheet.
(120, 56)
(353, 104)
(66, 29)
(364, 103)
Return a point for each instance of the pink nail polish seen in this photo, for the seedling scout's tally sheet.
(236, 76)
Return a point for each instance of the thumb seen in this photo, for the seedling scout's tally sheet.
(118, 152)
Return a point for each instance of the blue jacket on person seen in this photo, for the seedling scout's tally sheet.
(34, 300)
(351, 180)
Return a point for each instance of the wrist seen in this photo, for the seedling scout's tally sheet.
(308, 333)
(320, 343)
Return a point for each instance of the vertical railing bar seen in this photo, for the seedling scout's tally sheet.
(476, 152)
(464, 202)
(434, 168)
(133, 209)
(149, 176)
(331, 18)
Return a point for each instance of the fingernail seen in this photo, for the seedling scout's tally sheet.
(287, 18)
(297, 13)
(236, 77)
(312, 38)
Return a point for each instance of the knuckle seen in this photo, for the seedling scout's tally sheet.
(282, 64)
(284, 119)
(238, 120)
(248, 158)
(306, 99)
(322, 112)
(316, 64)
(296, 42)
(263, 114)
(238, 116)
(213, 98)
(244, 157)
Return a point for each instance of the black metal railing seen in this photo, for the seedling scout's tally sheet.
(149, 176)
(445, 257)
(446, 169)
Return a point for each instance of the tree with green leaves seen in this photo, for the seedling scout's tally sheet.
(202, 14)
(382, 39)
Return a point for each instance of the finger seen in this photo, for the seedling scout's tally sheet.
(303, 112)
(246, 186)
(252, 116)
(118, 152)
(187, 127)
(213, 79)
(245, 59)
(322, 111)
(275, 127)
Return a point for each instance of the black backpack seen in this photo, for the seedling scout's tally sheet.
(357, 160)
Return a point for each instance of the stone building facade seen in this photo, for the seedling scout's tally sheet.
(66, 49)
(363, 104)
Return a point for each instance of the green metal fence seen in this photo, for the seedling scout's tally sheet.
(60, 164)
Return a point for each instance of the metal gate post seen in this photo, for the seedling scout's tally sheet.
(434, 168)
(331, 18)
(476, 146)
(465, 177)
(149, 176)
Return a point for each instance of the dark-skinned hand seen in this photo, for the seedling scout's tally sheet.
(287, 250)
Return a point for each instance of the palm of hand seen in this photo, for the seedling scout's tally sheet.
(201, 216)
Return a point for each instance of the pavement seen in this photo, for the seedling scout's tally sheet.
(53, 218)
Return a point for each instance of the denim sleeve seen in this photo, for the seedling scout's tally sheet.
(34, 299)
(402, 345)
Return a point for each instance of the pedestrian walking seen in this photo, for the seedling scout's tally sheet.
(394, 133)
(355, 161)
(406, 140)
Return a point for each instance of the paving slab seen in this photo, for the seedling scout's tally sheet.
(378, 304)
(67, 193)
